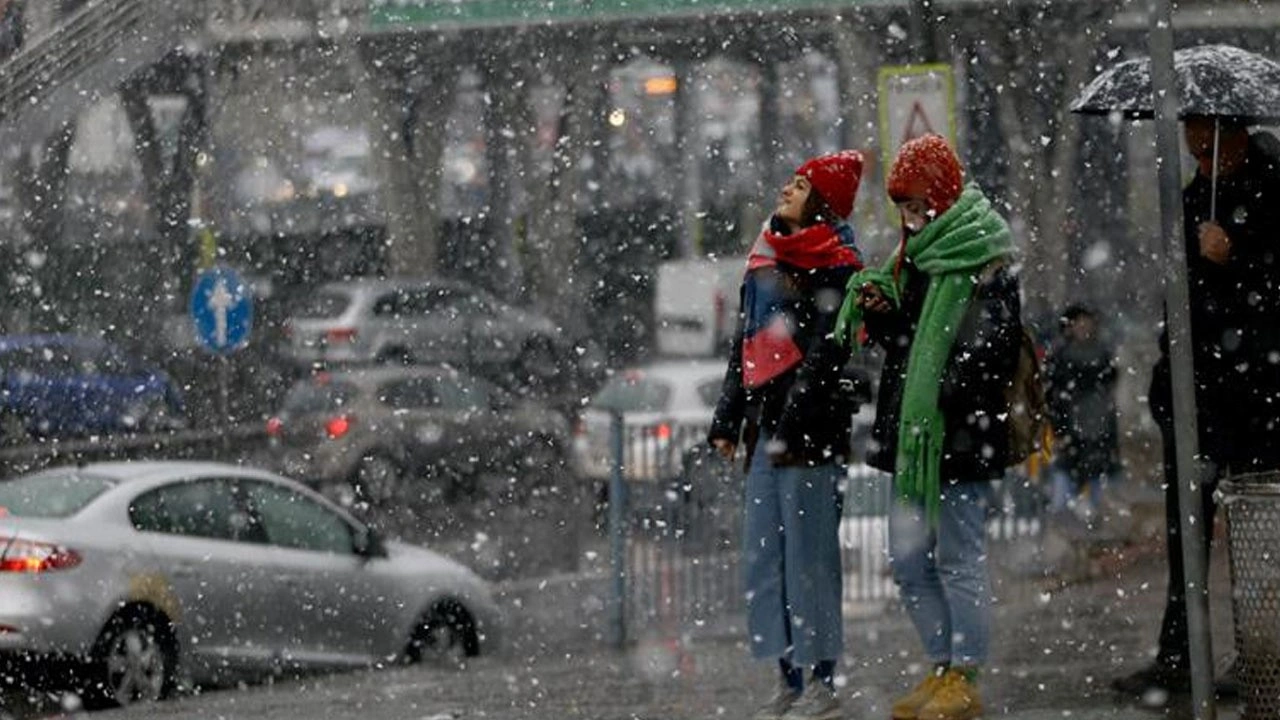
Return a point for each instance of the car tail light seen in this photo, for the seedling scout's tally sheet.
(275, 426)
(33, 557)
(337, 427)
(340, 335)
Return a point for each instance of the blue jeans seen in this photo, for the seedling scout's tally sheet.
(942, 572)
(1066, 488)
(791, 561)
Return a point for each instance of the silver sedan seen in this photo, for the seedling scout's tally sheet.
(135, 578)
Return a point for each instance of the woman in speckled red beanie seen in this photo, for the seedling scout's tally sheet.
(945, 308)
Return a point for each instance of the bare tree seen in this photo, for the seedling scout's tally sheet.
(1041, 66)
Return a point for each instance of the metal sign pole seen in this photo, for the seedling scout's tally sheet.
(617, 535)
(1177, 307)
(224, 402)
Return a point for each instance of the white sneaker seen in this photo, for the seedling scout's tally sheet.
(817, 703)
(783, 698)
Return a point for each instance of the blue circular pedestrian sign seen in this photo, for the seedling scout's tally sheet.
(222, 310)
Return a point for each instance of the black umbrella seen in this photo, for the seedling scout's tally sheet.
(1213, 80)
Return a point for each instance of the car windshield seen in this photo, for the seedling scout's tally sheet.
(634, 392)
(321, 305)
(50, 495)
(319, 396)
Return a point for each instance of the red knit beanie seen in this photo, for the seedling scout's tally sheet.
(928, 169)
(835, 178)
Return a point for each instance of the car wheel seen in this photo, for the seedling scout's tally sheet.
(137, 660)
(445, 636)
(395, 356)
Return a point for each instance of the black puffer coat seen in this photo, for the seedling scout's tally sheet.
(805, 407)
(972, 400)
(1081, 380)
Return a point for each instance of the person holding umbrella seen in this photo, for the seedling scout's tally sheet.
(1231, 213)
(1230, 227)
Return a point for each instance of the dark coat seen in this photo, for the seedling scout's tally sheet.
(1235, 317)
(983, 359)
(1081, 381)
(805, 408)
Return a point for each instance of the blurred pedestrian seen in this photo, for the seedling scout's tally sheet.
(781, 399)
(1081, 379)
(1233, 267)
(946, 311)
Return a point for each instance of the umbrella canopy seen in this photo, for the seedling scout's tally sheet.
(1213, 80)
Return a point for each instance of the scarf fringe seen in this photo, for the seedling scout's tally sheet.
(918, 480)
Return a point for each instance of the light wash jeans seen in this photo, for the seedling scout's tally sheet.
(1065, 491)
(942, 572)
(791, 561)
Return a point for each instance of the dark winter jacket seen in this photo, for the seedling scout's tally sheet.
(972, 400)
(1235, 317)
(804, 408)
(1081, 380)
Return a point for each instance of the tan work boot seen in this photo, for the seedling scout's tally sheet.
(956, 699)
(907, 706)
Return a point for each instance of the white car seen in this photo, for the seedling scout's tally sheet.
(696, 306)
(666, 409)
(126, 579)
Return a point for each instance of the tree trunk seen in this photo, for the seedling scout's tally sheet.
(502, 271)
(41, 190)
(553, 227)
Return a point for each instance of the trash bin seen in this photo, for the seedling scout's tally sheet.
(1252, 504)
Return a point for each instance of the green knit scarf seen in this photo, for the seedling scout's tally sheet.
(952, 250)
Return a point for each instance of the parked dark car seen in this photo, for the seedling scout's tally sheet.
(383, 437)
(56, 386)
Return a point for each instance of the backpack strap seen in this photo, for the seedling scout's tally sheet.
(988, 272)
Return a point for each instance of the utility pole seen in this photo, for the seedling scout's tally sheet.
(1191, 472)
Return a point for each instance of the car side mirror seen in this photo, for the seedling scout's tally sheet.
(369, 544)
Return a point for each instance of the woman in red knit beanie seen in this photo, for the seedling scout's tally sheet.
(781, 397)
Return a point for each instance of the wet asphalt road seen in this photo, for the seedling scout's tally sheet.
(1054, 652)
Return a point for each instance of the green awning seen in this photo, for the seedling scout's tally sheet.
(384, 13)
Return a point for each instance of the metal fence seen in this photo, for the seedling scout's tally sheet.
(677, 533)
